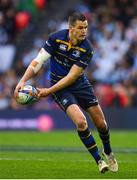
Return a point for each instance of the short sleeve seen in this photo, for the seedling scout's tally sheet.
(50, 45)
(85, 59)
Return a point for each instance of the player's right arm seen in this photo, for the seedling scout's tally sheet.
(32, 69)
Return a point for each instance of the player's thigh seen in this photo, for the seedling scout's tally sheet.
(97, 116)
(64, 99)
(86, 98)
(77, 116)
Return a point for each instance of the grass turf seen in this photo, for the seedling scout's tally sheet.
(61, 155)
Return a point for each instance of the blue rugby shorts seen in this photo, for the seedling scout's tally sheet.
(83, 97)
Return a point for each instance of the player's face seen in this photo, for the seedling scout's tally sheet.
(79, 30)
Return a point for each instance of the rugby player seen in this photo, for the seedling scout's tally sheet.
(70, 52)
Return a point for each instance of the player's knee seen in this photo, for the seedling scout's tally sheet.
(102, 126)
(82, 123)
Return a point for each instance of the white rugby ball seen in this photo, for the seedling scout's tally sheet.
(27, 95)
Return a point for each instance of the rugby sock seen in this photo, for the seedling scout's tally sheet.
(105, 137)
(88, 140)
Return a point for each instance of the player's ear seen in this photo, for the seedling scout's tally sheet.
(71, 29)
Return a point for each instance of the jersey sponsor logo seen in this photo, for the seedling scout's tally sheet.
(65, 56)
(76, 53)
(63, 47)
(61, 62)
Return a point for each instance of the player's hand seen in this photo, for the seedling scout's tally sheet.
(43, 92)
(18, 87)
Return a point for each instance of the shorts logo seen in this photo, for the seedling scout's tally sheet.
(93, 100)
(63, 47)
(64, 102)
(76, 53)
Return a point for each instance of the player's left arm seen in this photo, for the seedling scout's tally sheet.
(71, 77)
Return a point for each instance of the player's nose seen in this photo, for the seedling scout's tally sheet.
(84, 31)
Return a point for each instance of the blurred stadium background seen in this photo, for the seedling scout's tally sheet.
(24, 27)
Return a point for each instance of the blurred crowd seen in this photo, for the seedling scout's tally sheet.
(112, 31)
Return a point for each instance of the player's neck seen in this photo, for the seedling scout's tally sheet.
(73, 40)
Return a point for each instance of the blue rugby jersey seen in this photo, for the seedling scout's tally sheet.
(64, 55)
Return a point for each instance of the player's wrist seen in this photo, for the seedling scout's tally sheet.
(48, 91)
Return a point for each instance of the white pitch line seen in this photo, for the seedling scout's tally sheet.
(50, 160)
(38, 159)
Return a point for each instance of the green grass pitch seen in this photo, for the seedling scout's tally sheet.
(61, 155)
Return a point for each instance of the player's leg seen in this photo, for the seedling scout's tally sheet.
(68, 103)
(98, 118)
(77, 116)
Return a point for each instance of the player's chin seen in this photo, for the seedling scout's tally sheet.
(82, 38)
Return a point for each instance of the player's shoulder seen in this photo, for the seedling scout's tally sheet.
(87, 45)
(59, 34)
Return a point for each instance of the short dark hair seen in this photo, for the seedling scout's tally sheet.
(76, 16)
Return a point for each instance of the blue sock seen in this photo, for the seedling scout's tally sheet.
(88, 140)
(105, 137)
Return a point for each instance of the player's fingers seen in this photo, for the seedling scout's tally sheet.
(38, 93)
(38, 90)
(16, 92)
(17, 89)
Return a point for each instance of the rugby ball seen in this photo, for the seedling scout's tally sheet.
(27, 95)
